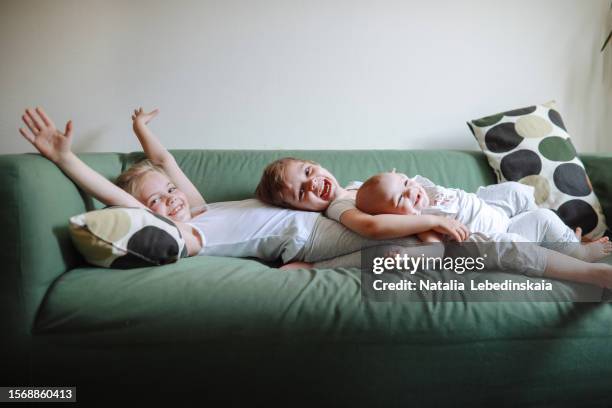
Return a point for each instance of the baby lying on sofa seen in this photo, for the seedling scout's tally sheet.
(305, 185)
(500, 208)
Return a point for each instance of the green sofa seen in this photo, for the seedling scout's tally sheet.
(241, 332)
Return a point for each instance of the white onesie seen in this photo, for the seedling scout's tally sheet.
(500, 208)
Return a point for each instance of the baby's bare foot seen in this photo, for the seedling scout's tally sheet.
(596, 250)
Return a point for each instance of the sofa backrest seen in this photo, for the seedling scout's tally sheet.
(224, 175)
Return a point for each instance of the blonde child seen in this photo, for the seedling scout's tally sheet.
(160, 186)
(244, 228)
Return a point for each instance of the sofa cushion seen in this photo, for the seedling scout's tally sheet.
(214, 298)
(531, 145)
(121, 237)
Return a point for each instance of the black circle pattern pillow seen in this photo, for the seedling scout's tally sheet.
(124, 237)
(531, 145)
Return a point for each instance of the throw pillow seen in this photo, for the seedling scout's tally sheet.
(122, 237)
(531, 145)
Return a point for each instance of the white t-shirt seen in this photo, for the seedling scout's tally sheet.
(468, 208)
(250, 228)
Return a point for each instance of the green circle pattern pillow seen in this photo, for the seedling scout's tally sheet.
(531, 145)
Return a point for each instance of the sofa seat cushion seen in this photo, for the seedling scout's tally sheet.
(211, 298)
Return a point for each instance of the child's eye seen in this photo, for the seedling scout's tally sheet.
(406, 183)
(307, 171)
(154, 201)
(172, 189)
(301, 195)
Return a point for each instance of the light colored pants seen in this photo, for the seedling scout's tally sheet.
(533, 224)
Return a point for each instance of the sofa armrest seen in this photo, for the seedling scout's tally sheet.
(37, 200)
(599, 169)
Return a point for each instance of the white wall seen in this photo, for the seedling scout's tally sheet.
(317, 74)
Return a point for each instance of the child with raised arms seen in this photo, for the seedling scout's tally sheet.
(158, 184)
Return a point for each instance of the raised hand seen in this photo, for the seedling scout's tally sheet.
(44, 136)
(159, 155)
(140, 116)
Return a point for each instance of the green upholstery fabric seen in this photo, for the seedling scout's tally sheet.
(253, 333)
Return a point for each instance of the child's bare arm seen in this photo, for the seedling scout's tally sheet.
(160, 156)
(430, 236)
(297, 265)
(389, 226)
(55, 146)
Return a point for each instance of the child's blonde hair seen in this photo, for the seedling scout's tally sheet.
(273, 180)
(129, 179)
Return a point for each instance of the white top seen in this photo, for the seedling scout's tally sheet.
(250, 228)
(467, 208)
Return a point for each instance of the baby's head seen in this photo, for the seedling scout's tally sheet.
(391, 193)
(152, 187)
(298, 184)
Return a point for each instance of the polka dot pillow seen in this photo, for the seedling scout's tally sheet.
(121, 237)
(531, 146)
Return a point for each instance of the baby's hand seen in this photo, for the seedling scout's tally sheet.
(141, 117)
(43, 135)
(455, 229)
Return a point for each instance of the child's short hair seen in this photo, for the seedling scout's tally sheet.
(129, 179)
(273, 181)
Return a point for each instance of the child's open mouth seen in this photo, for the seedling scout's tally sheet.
(326, 190)
(175, 210)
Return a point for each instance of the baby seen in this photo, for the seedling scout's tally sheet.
(506, 207)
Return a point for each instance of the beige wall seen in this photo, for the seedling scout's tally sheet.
(315, 74)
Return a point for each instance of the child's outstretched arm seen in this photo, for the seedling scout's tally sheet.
(389, 226)
(160, 156)
(430, 236)
(55, 146)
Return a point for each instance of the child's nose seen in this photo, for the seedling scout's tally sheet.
(314, 183)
